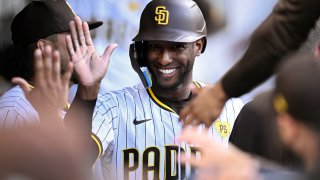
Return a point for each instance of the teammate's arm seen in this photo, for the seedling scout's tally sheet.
(282, 32)
(89, 68)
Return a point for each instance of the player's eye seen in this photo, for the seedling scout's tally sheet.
(154, 46)
(178, 47)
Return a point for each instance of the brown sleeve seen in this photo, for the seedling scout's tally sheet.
(281, 33)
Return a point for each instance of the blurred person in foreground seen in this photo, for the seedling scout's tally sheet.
(52, 25)
(255, 130)
(39, 25)
(296, 101)
(282, 32)
(46, 150)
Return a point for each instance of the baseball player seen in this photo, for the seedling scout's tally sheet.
(137, 125)
(39, 25)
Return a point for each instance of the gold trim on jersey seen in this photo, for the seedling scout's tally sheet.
(198, 85)
(98, 143)
(150, 92)
(161, 104)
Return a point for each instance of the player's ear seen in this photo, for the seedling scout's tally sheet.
(41, 44)
(199, 46)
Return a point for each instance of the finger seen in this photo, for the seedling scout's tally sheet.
(24, 85)
(39, 67)
(56, 61)
(74, 35)
(207, 122)
(193, 136)
(108, 51)
(48, 63)
(67, 75)
(188, 120)
(69, 46)
(185, 111)
(87, 34)
(78, 22)
(197, 122)
(191, 160)
(200, 119)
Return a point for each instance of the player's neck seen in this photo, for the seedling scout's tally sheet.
(179, 93)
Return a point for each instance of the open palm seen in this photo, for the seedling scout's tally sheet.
(89, 67)
(49, 96)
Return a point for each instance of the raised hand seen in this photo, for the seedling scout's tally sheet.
(50, 92)
(89, 67)
(218, 162)
(206, 107)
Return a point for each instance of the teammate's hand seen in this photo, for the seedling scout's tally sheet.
(49, 152)
(50, 94)
(89, 67)
(217, 162)
(206, 107)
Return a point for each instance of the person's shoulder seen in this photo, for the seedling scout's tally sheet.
(15, 91)
(119, 94)
(14, 96)
(13, 103)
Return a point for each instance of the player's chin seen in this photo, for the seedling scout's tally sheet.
(168, 83)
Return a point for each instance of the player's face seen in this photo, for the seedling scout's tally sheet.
(170, 63)
(61, 45)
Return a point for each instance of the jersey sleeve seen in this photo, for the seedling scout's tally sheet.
(282, 32)
(16, 113)
(105, 112)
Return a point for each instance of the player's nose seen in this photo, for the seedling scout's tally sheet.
(165, 57)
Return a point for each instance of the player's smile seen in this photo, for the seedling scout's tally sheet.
(167, 76)
(167, 73)
(170, 63)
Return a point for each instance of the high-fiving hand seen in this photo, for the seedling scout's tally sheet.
(218, 162)
(50, 94)
(206, 107)
(89, 67)
(65, 151)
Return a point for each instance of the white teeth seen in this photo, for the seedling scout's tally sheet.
(167, 71)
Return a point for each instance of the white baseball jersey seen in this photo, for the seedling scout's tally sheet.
(138, 134)
(15, 109)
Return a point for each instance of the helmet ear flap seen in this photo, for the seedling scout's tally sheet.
(138, 64)
(136, 53)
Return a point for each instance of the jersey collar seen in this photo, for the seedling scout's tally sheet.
(161, 104)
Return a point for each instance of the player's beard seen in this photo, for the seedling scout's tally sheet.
(181, 79)
(74, 79)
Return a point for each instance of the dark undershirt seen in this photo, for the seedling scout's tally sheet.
(176, 105)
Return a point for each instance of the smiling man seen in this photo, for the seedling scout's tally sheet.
(138, 125)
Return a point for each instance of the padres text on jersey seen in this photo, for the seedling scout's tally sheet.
(138, 135)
